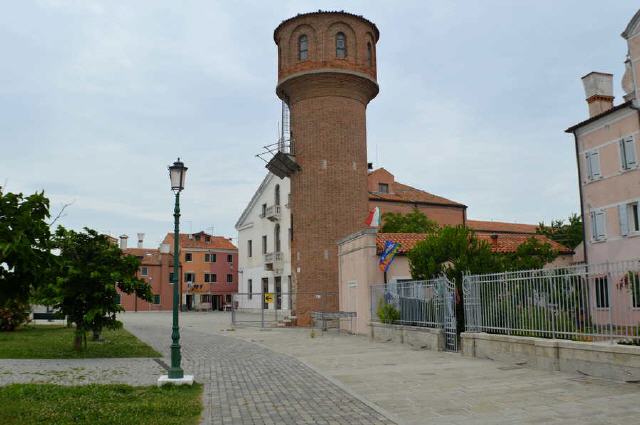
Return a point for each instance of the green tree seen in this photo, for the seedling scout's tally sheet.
(569, 234)
(452, 251)
(25, 255)
(531, 254)
(91, 268)
(413, 222)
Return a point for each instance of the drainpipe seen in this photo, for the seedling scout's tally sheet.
(584, 221)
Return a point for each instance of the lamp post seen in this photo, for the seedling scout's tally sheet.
(177, 173)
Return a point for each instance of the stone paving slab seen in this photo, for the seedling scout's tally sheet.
(246, 383)
(426, 387)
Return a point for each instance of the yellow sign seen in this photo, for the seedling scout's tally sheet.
(268, 298)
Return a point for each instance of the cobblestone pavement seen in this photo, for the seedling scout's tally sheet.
(412, 386)
(246, 383)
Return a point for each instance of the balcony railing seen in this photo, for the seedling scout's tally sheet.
(273, 213)
(273, 261)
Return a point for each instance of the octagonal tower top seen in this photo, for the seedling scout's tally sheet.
(325, 41)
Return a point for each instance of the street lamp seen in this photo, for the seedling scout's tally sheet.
(177, 173)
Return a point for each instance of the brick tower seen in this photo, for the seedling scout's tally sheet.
(327, 76)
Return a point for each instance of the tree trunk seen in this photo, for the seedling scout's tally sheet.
(77, 342)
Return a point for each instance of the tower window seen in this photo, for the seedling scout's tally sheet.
(341, 46)
(303, 48)
(369, 54)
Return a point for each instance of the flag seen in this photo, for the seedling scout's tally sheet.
(388, 254)
(374, 218)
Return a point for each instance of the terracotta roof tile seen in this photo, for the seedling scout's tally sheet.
(510, 242)
(403, 193)
(505, 242)
(501, 227)
(215, 242)
(149, 256)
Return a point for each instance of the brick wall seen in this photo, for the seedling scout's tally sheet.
(328, 124)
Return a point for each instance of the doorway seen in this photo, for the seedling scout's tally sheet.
(265, 289)
(278, 285)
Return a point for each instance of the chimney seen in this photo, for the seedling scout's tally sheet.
(598, 87)
(140, 239)
(165, 248)
(123, 241)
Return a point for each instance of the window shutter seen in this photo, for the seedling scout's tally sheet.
(630, 152)
(600, 225)
(623, 156)
(594, 230)
(587, 157)
(595, 164)
(624, 220)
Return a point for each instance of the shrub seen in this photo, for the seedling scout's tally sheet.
(13, 314)
(387, 313)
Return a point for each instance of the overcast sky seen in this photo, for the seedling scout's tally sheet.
(97, 98)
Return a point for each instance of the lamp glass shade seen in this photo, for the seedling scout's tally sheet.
(177, 174)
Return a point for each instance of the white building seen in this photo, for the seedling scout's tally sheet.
(264, 230)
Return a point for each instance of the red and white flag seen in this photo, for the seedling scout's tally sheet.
(374, 218)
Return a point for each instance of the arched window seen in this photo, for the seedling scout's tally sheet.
(341, 45)
(369, 54)
(277, 195)
(303, 48)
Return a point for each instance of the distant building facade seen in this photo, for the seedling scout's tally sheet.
(391, 196)
(264, 246)
(209, 270)
(156, 268)
(607, 149)
(264, 231)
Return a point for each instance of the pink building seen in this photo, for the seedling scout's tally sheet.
(209, 270)
(607, 149)
(607, 153)
(156, 268)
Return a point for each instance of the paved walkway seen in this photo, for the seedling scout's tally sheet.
(415, 387)
(246, 383)
(284, 376)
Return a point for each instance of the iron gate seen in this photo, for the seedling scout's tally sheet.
(449, 320)
(429, 303)
(278, 309)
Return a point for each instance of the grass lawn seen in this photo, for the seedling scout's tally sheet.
(56, 342)
(99, 404)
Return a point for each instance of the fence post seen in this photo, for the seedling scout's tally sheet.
(233, 310)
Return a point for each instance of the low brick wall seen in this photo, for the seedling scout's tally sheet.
(602, 360)
(415, 336)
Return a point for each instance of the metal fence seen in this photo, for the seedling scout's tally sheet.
(428, 303)
(582, 303)
(280, 309)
